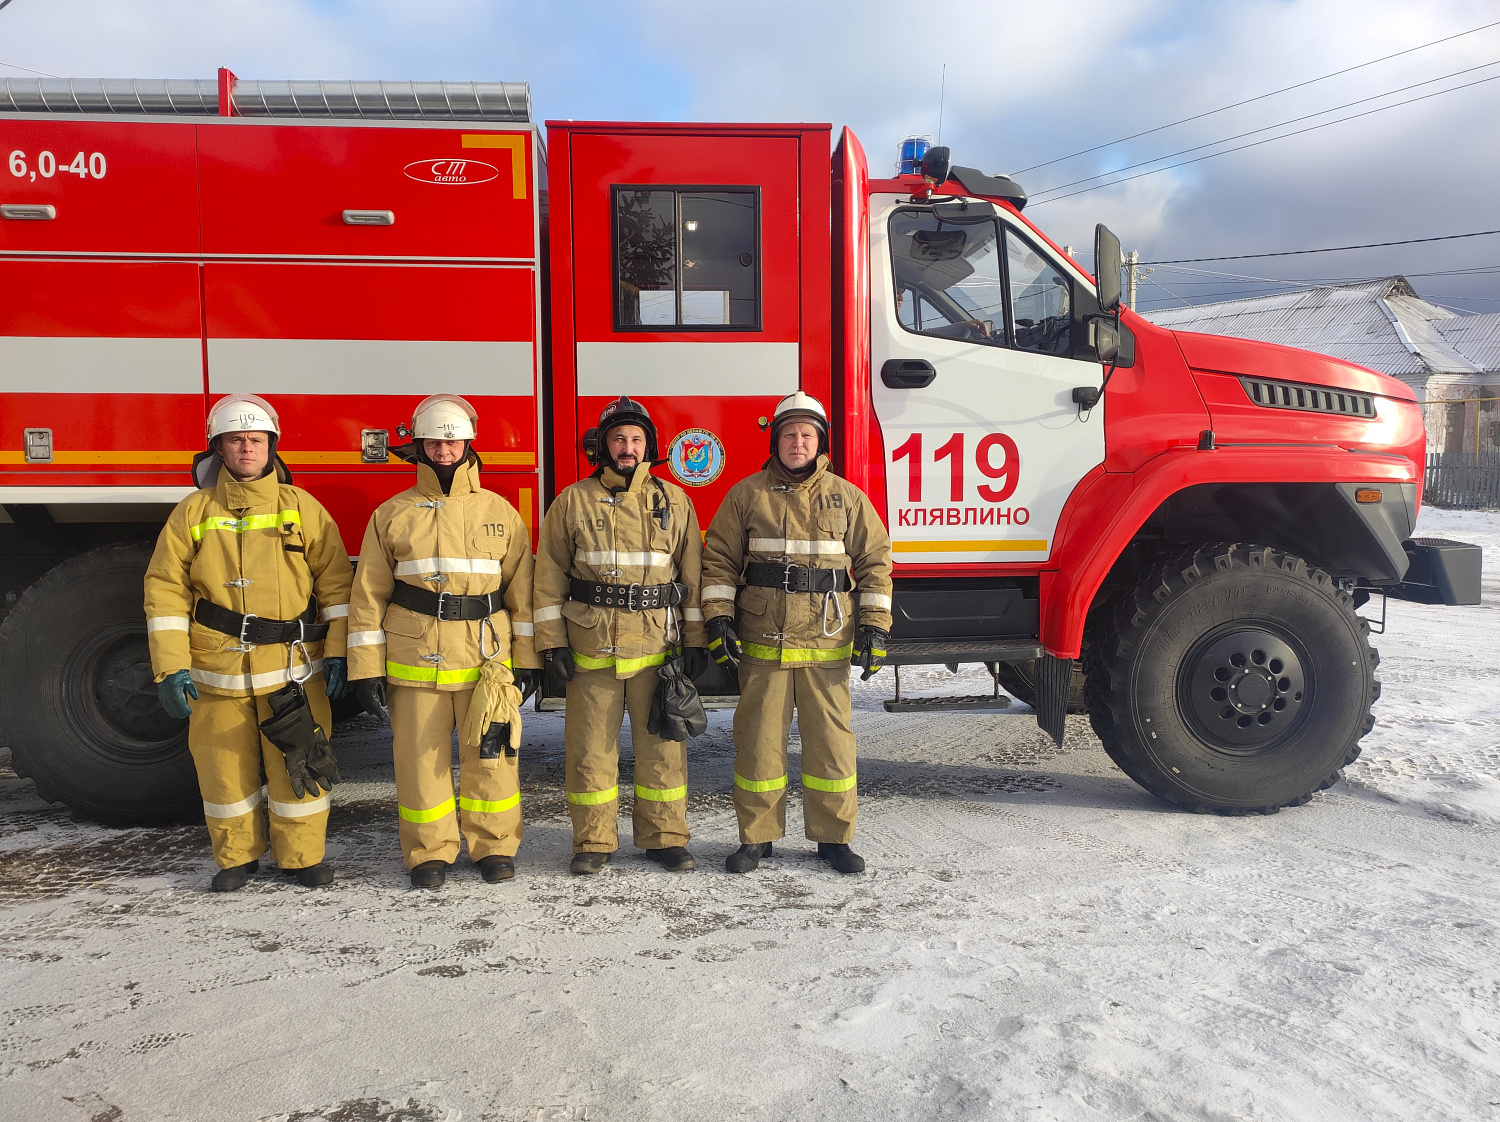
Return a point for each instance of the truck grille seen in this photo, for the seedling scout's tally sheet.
(1309, 399)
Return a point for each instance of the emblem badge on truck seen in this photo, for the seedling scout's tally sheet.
(696, 457)
(449, 170)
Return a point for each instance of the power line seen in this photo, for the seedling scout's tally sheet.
(1267, 140)
(13, 66)
(1268, 128)
(1328, 249)
(1258, 97)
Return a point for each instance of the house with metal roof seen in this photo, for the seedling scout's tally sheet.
(1452, 361)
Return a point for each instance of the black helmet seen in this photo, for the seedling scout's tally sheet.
(625, 411)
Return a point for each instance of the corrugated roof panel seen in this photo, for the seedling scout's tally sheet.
(1477, 338)
(1346, 321)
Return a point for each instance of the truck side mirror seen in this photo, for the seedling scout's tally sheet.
(1105, 338)
(935, 165)
(1108, 261)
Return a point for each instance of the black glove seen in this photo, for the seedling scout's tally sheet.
(723, 643)
(694, 661)
(869, 649)
(370, 693)
(558, 668)
(527, 681)
(309, 757)
(496, 740)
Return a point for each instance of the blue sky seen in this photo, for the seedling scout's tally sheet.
(1026, 83)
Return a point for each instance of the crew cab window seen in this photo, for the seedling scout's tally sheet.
(948, 277)
(1041, 299)
(687, 259)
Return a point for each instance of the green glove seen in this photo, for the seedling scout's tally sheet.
(174, 691)
(336, 676)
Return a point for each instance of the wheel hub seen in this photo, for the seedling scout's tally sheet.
(1244, 689)
(125, 691)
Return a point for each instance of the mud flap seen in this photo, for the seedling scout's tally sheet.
(1054, 679)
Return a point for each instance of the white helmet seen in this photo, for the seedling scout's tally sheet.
(242, 412)
(444, 416)
(800, 406)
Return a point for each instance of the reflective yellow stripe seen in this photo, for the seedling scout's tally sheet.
(715, 643)
(593, 798)
(758, 784)
(625, 664)
(827, 784)
(629, 664)
(240, 525)
(442, 808)
(484, 806)
(670, 795)
(799, 654)
(591, 663)
(430, 674)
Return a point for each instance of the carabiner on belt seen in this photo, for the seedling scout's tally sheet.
(299, 643)
(839, 608)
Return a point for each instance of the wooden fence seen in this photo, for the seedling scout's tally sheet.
(1463, 481)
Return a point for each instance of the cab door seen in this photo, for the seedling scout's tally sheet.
(973, 375)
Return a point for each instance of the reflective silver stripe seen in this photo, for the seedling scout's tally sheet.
(233, 810)
(693, 615)
(248, 681)
(518, 628)
(874, 600)
(718, 592)
(167, 623)
(365, 639)
(298, 810)
(424, 565)
(334, 611)
(616, 557)
(547, 614)
(794, 545)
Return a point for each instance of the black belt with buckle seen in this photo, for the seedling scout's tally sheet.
(798, 578)
(446, 606)
(630, 597)
(258, 630)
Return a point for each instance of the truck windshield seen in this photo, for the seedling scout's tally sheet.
(948, 277)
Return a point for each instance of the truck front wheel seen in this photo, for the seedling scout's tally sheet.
(79, 709)
(1233, 678)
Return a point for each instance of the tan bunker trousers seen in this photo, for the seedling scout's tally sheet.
(232, 757)
(820, 695)
(488, 807)
(597, 702)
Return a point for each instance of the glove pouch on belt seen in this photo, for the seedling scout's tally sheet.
(676, 709)
(495, 705)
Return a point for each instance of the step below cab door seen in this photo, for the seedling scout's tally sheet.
(973, 373)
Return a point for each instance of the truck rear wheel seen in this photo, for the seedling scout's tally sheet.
(80, 711)
(1234, 678)
(1019, 680)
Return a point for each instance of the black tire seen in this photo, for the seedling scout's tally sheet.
(1019, 680)
(1233, 678)
(80, 711)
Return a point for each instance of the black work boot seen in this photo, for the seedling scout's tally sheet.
(496, 868)
(586, 864)
(747, 857)
(313, 876)
(674, 858)
(841, 857)
(429, 874)
(233, 878)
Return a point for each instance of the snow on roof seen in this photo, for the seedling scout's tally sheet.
(1382, 324)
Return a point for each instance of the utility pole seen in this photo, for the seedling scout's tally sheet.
(1133, 275)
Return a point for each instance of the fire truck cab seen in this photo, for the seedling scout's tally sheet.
(1169, 531)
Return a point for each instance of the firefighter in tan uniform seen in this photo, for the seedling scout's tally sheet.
(616, 591)
(784, 557)
(440, 617)
(247, 594)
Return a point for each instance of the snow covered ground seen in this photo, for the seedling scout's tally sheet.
(1037, 938)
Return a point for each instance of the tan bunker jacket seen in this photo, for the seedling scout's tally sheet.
(466, 543)
(616, 531)
(824, 522)
(263, 548)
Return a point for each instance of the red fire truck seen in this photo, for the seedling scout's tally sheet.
(1181, 554)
